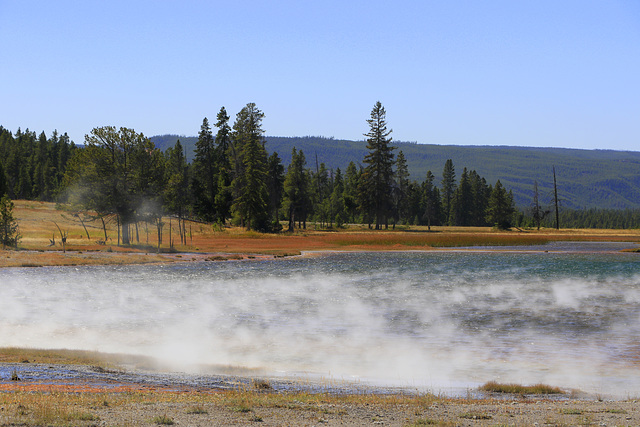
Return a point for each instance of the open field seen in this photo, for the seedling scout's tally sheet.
(39, 222)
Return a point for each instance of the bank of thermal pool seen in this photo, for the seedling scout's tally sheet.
(437, 321)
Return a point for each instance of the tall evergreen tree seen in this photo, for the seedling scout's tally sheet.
(337, 199)
(321, 190)
(431, 201)
(448, 189)
(223, 197)
(461, 202)
(176, 196)
(500, 210)
(296, 190)
(377, 178)
(480, 198)
(350, 193)
(275, 186)
(401, 189)
(204, 173)
(8, 225)
(250, 204)
(3, 182)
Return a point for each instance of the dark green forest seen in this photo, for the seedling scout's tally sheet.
(237, 175)
(601, 179)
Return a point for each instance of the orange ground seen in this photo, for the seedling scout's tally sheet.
(39, 222)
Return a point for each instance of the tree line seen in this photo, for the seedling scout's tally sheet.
(233, 179)
(32, 166)
(120, 174)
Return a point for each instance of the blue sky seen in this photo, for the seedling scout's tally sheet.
(528, 73)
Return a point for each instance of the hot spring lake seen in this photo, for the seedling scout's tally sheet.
(433, 321)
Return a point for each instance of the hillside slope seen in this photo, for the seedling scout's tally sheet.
(586, 178)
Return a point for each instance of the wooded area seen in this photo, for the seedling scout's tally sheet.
(120, 174)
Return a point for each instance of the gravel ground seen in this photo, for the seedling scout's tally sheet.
(208, 400)
(495, 413)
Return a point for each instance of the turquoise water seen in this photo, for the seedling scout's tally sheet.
(428, 320)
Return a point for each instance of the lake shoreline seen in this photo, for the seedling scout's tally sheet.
(41, 258)
(127, 397)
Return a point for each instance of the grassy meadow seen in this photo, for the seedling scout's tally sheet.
(41, 223)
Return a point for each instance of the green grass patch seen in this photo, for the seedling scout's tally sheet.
(197, 410)
(162, 420)
(494, 387)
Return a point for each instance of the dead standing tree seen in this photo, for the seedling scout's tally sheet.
(63, 237)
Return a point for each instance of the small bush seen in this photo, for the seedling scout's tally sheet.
(262, 384)
(196, 410)
(162, 420)
(83, 416)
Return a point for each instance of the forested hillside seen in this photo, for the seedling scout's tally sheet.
(586, 178)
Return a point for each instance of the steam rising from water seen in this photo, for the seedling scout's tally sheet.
(426, 320)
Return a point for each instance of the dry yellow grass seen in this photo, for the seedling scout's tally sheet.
(39, 223)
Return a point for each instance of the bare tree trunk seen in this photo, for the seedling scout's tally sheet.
(170, 237)
(555, 191)
(104, 228)
(83, 225)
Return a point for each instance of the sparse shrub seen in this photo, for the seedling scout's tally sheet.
(495, 387)
(196, 410)
(475, 416)
(262, 384)
(162, 420)
(83, 416)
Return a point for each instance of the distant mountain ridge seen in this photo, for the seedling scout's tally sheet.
(586, 178)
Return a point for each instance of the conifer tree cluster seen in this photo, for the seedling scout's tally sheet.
(33, 165)
(120, 174)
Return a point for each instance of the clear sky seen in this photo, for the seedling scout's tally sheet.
(530, 73)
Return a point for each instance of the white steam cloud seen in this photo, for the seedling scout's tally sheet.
(415, 320)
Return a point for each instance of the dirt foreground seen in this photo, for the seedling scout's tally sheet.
(106, 395)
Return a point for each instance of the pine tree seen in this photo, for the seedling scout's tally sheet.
(337, 199)
(296, 189)
(275, 184)
(461, 202)
(401, 189)
(350, 193)
(250, 204)
(3, 182)
(223, 197)
(500, 209)
(448, 189)
(431, 201)
(176, 194)
(204, 173)
(376, 182)
(8, 225)
(115, 172)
